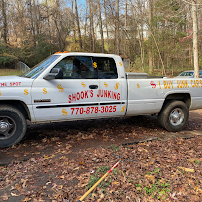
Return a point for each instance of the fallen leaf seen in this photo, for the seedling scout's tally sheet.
(139, 188)
(24, 183)
(150, 177)
(115, 183)
(26, 199)
(45, 157)
(13, 194)
(187, 169)
(4, 197)
(197, 189)
(62, 177)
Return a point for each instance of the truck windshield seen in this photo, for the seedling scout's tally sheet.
(39, 68)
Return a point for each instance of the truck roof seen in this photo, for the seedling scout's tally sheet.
(85, 54)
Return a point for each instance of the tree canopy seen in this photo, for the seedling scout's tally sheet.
(154, 34)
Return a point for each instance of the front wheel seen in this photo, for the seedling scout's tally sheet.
(13, 126)
(174, 116)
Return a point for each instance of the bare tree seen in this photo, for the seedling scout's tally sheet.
(100, 25)
(117, 28)
(36, 24)
(92, 35)
(195, 39)
(150, 30)
(5, 25)
(78, 24)
(125, 27)
(106, 25)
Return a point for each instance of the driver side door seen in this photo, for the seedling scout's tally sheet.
(72, 97)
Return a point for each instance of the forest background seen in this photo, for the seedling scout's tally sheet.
(156, 35)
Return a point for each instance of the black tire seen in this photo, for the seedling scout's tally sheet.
(174, 116)
(13, 126)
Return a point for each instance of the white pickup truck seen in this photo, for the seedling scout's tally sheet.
(75, 86)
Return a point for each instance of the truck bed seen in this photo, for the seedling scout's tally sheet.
(131, 75)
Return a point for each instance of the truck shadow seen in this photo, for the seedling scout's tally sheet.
(71, 137)
(112, 126)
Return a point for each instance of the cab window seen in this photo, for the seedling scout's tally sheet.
(77, 67)
(106, 67)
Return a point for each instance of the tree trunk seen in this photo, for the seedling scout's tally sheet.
(195, 39)
(49, 28)
(106, 25)
(35, 18)
(125, 33)
(92, 36)
(149, 35)
(117, 28)
(78, 25)
(32, 23)
(73, 23)
(100, 24)
(86, 19)
(5, 25)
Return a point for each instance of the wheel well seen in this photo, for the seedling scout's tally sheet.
(19, 105)
(184, 97)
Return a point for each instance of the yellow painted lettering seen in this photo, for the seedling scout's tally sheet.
(192, 83)
(201, 83)
(197, 83)
(168, 84)
(186, 84)
(171, 83)
(165, 84)
(159, 84)
(178, 83)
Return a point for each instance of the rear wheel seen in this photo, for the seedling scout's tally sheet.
(13, 126)
(174, 116)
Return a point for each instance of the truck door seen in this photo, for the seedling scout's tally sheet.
(73, 97)
(110, 88)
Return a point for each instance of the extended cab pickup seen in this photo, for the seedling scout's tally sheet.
(75, 86)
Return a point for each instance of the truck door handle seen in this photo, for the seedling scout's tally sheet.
(93, 86)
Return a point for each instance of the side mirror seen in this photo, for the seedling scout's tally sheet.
(56, 73)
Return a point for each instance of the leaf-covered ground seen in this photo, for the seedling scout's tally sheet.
(59, 162)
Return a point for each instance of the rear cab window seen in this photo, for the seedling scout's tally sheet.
(106, 67)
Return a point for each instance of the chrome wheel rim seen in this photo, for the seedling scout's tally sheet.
(176, 117)
(7, 127)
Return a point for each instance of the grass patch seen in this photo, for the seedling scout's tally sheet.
(197, 162)
(154, 185)
(158, 189)
(8, 72)
(114, 147)
(99, 173)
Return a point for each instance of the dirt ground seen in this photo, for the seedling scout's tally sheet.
(60, 161)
